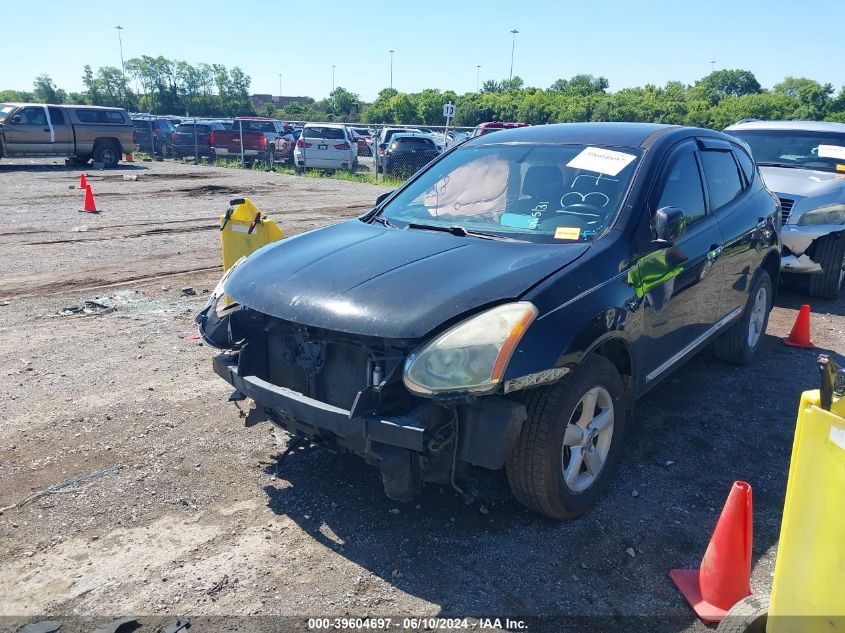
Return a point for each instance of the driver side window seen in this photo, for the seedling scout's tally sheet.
(683, 189)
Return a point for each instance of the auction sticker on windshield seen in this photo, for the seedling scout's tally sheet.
(567, 233)
(606, 161)
(832, 151)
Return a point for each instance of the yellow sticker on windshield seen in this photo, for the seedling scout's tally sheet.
(567, 233)
(840, 168)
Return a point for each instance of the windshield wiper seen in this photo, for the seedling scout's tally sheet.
(787, 165)
(384, 221)
(462, 232)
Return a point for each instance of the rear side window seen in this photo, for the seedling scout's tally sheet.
(56, 116)
(112, 116)
(87, 116)
(722, 176)
(746, 164)
(683, 189)
(332, 133)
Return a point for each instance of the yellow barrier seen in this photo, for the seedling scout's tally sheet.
(244, 229)
(808, 591)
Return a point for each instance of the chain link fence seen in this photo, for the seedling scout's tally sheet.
(201, 139)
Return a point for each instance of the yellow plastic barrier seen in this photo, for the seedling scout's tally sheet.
(808, 591)
(244, 229)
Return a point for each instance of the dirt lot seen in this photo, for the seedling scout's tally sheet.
(197, 518)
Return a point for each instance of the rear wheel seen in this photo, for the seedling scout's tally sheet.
(739, 343)
(749, 615)
(565, 455)
(107, 153)
(830, 254)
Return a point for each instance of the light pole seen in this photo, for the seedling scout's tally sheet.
(120, 42)
(333, 67)
(391, 51)
(513, 47)
(712, 67)
(280, 87)
(478, 77)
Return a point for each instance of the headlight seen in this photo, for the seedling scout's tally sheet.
(832, 214)
(218, 291)
(471, 356)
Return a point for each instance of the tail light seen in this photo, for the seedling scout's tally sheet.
(301, 143)
(262, 140)
(342, 146)
(211, 138)
(382, 147)
(156, 132)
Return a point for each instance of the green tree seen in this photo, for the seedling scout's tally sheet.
(581, 85)
(814, 97)
(45, 91)
(726, 83)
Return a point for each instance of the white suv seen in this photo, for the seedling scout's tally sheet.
(325, 146)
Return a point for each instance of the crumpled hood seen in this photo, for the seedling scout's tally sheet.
(802, 183)
(376, 281)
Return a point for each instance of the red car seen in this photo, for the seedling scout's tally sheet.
(495, 126)
(364, 138)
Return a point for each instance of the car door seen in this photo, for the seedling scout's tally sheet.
(732, 202)
(681, 283)
(27, 132)
(61, 131)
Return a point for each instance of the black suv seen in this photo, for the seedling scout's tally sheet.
(507, 305)
(162, 131)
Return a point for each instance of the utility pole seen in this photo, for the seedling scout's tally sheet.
(391, 51)
(513, 47)
(712, 67)
(478, 78)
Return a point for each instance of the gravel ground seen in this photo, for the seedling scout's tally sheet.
(197, 517)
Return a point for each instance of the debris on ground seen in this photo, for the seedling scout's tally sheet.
(188, 291)
(61, 486)
(88, 307)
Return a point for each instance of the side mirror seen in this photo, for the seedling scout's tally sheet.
(15, 119)
(669, 225)
(383, 197)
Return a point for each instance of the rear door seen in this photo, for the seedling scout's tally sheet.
(738, 213)
(62, 131)
(680, 284)
(27, 132)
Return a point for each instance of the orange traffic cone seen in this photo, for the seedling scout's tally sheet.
(129, 159)
(725, 574)
(89, 206)
(800, 334)
(82, 182)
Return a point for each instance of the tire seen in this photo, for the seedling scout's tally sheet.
(107, 153)
(830, 254)
(749, 615)
(738, 344)
(536, 468)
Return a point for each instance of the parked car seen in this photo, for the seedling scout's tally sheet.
(77, 132)
(262, 139)
(325, 146)
(506, 305)
(363, 137)
(387, 133)
(495, 126)
(161, 130)
(195, 139)
(408, 153)
(803, 162)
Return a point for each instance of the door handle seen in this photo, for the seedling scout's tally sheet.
(46, 129)
(714, 252)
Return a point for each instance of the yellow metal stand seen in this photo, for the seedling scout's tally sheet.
(244, 229)
(808, 591)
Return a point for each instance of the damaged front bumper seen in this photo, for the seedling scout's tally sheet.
(798, 242)
(425, 444)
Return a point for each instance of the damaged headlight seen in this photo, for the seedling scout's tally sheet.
(471, 356)
(831, 214)
(212, 321)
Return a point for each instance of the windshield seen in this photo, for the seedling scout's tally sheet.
(5, 111)
(539, 193)
(822, 151)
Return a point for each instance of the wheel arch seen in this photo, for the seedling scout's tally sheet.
(771, 264)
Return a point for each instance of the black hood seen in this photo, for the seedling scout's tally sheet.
(373, 280)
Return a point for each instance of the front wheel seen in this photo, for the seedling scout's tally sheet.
(568, 448)
(830, 254)
(739, 343)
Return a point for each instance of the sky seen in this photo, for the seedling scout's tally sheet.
(438, 44)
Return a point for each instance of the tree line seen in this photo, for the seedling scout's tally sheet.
(721, 98)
